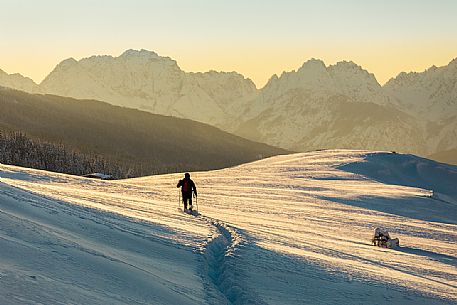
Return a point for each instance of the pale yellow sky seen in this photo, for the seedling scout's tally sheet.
(384, 62)
(255, 38)
(256, 64)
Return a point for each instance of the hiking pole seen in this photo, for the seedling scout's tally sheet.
(196, 202)
(179, 200)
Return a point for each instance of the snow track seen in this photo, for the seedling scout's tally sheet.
(220, 255)
(217, 257)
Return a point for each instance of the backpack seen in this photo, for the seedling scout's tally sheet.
(186, 187)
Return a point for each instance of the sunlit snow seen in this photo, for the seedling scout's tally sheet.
(292, 229)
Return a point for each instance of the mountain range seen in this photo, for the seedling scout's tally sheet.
(314, 107)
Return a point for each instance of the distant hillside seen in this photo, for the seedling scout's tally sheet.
(448, 156)
(152, 143)
(19, 82)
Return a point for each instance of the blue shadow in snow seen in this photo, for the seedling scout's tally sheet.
(287, 279)
(421, 208)
(412, 171)
(443, 258)
(407, 170)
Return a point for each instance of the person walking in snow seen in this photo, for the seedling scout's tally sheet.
(187, 187)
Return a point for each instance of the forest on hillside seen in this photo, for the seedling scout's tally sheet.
(16, 148)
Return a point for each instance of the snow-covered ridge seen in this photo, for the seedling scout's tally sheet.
(277, 231)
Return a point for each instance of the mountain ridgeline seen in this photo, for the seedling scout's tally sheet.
(131, 139)
(314, 107)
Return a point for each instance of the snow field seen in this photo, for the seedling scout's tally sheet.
(291, 229)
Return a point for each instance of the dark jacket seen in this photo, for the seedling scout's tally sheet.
(191, 188)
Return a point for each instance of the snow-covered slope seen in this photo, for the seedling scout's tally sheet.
(290, 229)
(442, 136)
(142, 79)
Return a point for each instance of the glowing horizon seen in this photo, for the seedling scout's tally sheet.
(257, 39)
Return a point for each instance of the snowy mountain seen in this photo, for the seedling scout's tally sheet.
(292, 229)
(319, 107)
(430, 95)
(147, 81)
(19, 82)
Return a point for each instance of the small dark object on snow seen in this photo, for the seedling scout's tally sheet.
(381, 238)
(98, 176)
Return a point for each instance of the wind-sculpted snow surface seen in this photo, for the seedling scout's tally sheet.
(291, 229)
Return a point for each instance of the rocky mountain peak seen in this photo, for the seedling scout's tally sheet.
(453, 63)
(347, 65)
(67, 63)
(146, 57)
(350, 69)
(312, 65)
(139, 53)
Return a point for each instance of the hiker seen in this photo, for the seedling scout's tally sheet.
(187, 186)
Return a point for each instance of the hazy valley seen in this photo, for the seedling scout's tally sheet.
(139, 142)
